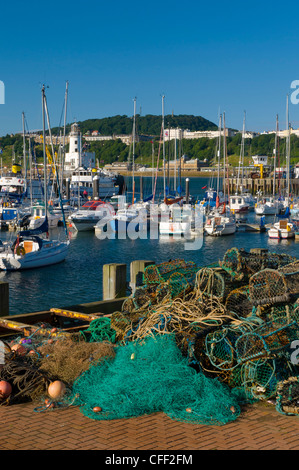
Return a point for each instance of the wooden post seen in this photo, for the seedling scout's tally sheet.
(136, 272)
(4, 299)
(114, 281)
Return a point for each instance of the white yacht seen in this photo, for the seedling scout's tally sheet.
(32, 251)
(268, 206)
(218, 224)
(86, 218)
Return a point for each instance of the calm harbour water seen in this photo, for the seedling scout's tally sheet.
(79, 278)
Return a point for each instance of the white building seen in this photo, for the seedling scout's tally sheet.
(170, 134)
(76, 157)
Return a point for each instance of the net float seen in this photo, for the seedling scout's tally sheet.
(19, 349)
(5, 389)
(56, 389)
(97, 409)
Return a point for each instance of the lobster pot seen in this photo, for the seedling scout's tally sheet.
(179, 285)
(220, 344)
(266, 340)
(287, 396)
(219, 348)
(268, 287)
(287, 312)
(291, 273)
(155, 274)
(210, 282)
(238, 302)
(257, 379)
(242, 264)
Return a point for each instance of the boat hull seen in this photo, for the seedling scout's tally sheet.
(51, 254)
(220, 230)
(174, 228)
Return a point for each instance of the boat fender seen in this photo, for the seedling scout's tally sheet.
(20, 251)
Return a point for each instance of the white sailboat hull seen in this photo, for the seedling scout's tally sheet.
(174, 228)
(50, 253)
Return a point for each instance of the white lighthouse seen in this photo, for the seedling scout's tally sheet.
(76, 156)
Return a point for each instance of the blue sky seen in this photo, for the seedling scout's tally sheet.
(203, 56)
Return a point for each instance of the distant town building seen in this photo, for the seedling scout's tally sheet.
(284, 133)
(186, 164)
(171, 134)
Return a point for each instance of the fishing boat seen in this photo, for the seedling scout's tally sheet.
(219, 225)
(268, 206)
(238, 204)
(13, 184)
(282, 229)
(83, 179)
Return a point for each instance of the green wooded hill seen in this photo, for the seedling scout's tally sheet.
(147, 125)
(115, 150)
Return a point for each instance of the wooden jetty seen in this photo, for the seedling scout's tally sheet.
(264, 185)
(73, 318)
(248, 227)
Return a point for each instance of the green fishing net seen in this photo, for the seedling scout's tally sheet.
(153, 376)
(99, 330)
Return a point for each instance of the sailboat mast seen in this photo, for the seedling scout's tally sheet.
(243, 146)
(175, 157)
(44, 151)
(24, 145)
(133, 156)
(163, 136)
(56, 175)
(275, 156)
(64, 131)
(224, 158)
(219, 153)
(288, 150)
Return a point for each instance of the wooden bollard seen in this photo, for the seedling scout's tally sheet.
(114, 281)
(4, 299)
(136, 272)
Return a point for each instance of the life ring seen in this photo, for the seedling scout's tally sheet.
(20, 251)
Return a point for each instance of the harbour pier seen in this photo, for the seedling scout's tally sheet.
(263, 185)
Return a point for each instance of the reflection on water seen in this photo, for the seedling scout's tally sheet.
(79, 277)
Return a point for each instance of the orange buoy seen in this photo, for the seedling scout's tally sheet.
(19, 349)
(56, 389)
(97, 409)
(5, 389)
